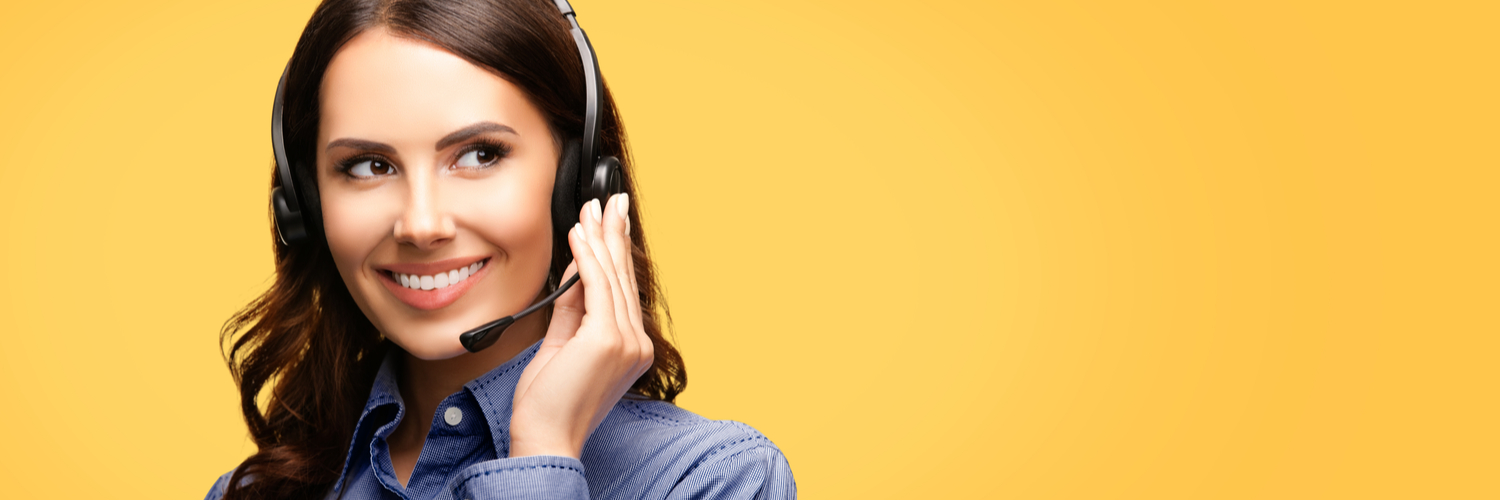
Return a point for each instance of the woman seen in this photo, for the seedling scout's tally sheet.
(430, 144)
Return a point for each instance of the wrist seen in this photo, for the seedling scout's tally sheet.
(527, 443)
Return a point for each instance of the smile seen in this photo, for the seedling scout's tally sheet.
(439, 280)
(435, 285)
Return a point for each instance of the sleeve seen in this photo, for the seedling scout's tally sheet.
(759, 473)
(542, 477)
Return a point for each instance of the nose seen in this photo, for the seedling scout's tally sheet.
(424, 223)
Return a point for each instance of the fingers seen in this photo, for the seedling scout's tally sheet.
(602, 226)
(605, 258)
(622, 249)
(606, 250)
(597, 289)
(617, 237)
(593, 221)
(618, 240)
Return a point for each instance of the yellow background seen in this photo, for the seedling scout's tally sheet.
(932, 249)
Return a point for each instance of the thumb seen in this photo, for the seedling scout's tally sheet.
(567, 315)
(567, 311)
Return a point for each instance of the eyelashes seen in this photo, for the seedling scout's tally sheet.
(366, 167)
(480, 155)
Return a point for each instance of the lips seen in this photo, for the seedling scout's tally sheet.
(417, 285)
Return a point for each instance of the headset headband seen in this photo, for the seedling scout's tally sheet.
(591, 80)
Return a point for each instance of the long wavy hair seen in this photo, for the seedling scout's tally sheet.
(303, 355)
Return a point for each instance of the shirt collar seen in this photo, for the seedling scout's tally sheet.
(495, 392)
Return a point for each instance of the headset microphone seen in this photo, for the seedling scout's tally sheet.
(605, 180)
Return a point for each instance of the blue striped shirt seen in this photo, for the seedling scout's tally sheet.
(642, 449)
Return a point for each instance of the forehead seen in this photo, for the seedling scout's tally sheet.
(384, 87)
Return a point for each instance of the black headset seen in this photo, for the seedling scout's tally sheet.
(568, 193)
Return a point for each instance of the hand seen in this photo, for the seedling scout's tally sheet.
(596, 346)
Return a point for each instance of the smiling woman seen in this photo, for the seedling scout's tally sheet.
(433, 164)
(436, 146)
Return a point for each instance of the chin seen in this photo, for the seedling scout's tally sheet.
(430, 345)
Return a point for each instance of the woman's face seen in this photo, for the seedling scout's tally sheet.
(436, 182)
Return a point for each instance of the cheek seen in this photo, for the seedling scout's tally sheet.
(355, 226)
(513, 214)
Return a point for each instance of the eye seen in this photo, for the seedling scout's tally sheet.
(481, 156)
(371, 168)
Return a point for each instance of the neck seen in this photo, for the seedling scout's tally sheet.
(424, 383)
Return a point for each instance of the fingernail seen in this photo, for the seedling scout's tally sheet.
(594, 209)
(624, 204)
(578, 228)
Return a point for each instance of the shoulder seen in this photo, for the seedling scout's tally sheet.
(217, 491)
(667, 423)
(646, 445)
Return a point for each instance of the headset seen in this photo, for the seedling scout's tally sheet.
(568, 193)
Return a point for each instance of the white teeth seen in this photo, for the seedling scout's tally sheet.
(440, 280)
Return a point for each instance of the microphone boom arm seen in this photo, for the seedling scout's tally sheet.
(485, 335)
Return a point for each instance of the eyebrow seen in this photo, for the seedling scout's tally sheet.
(456, 137)
(465, 133)
(362, 144)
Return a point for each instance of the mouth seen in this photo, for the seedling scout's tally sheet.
(433, 286)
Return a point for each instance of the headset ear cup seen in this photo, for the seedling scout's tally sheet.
(565, 202)
(607, 180)
(289, 225)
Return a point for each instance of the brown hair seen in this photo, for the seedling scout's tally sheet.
(304, 338)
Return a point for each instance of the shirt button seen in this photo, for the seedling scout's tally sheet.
(453, 416)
